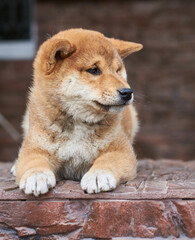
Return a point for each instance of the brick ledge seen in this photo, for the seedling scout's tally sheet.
(158, 203)
(161, 179)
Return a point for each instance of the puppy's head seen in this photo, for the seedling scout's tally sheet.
(84, 71)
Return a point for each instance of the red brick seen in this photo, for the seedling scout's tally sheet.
(187, 211)
(145, 219)
(45, 217)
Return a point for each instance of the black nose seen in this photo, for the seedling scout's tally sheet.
(125, 93)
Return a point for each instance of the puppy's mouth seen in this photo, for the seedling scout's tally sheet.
(107, 107)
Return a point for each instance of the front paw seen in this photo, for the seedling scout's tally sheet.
(37, 181)
(98, 181)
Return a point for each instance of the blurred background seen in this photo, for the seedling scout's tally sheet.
(162, 75)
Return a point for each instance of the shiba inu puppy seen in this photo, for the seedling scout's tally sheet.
(80, 121)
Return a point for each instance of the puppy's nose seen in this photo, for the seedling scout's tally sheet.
(125, 93)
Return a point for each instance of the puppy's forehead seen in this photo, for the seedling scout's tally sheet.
(90, 44)
(94, 46)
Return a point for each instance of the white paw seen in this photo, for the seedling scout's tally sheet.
(13, 170)
(37, 182)
(98, 181)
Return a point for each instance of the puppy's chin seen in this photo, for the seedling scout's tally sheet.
(116, 109)
(108, 108)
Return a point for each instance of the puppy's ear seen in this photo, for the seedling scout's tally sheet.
(52, 53)
(125, 48)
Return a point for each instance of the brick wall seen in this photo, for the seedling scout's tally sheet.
(162, 75)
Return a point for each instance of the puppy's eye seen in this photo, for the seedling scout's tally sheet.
(94, 71)
(118, 70)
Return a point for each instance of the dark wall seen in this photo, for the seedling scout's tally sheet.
(162, 75)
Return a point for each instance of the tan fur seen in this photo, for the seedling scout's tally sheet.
(66, 133)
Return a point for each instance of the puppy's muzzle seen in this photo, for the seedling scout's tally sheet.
(125, 94)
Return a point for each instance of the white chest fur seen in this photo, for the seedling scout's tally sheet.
(77, 149)
(83, 145)
(79, 152)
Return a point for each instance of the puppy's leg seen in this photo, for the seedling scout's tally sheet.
(115, 165)
(33, 172)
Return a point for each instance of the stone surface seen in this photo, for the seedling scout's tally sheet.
(24, 231)
(162, 179)
(160, 202)
(161, 75)
(44, 218)
(7, 232)
(186, 209)
(135, 218)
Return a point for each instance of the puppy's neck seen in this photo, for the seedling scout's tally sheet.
(51, 113)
